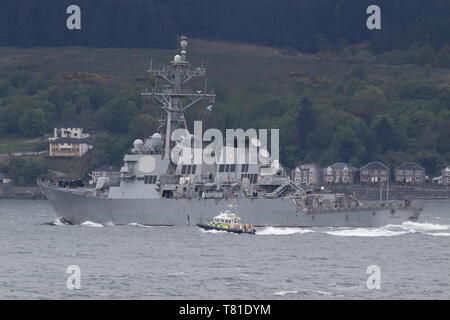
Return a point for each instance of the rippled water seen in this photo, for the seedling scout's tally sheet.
(140, 262)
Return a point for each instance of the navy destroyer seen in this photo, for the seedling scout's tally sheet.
(156, 190)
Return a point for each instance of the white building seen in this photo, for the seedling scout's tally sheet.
(310, 174)
(339, 173)
(446, 176)
(69, 140)
(4, 179)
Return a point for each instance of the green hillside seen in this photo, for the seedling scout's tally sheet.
(344, 104)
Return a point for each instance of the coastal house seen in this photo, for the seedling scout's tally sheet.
(436, 181)
(339, 173)
(4, 179)
(310, 174)
(446, 176)
(373, 172)
(107, 171)
(69, 140)
(410, 172)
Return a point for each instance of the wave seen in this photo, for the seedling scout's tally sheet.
(92, 224)
(365, 232)
(135, 224)
(58, 222)
(392, 230)
(325, 293)
(283, 293)
(176, 274)
(424, 227)
(278, 231)
(214, 231)
(440, 234)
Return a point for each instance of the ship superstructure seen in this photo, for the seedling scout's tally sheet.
(157, 189)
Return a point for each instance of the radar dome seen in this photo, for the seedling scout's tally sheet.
(156, 141)
(138, 143)
(177, 58)
(156, 135)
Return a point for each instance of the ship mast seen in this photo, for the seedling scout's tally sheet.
(176, 98)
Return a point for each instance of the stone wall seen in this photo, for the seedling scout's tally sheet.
(8, 191)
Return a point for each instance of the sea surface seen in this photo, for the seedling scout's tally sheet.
(139, 262)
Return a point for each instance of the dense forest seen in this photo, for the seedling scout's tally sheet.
(361, 96)
(306, 25)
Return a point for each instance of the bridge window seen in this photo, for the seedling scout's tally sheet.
(150, 179)
(188, 169)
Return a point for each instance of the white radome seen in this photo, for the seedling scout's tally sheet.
(137, 144)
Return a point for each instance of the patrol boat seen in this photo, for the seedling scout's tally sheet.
(156, 190)
(228, 221)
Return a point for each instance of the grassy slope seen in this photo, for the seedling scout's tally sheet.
(232, 67)
(235, 70)
(8, 145)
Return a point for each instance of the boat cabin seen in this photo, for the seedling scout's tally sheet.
(227, 217)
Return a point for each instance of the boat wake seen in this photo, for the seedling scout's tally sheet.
(57, 222)
(394, 230)
(365, 232)
(92, 224)
(214, 231)
(438, 230)
(278, 231)
(425, 227)
(135, 224)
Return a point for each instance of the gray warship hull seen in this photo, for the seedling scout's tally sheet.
(77, 208)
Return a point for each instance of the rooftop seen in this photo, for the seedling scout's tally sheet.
(409, 166)
(341, 166)
(374, 166)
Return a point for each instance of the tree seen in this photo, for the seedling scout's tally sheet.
(382, 128)
(305, 121)
(33, 123)
(369, 102)
(143, 125)
(117, 114)
(5, 88)
(26, 171)
(418, 89)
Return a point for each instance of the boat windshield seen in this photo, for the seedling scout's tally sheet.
(226, 217)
